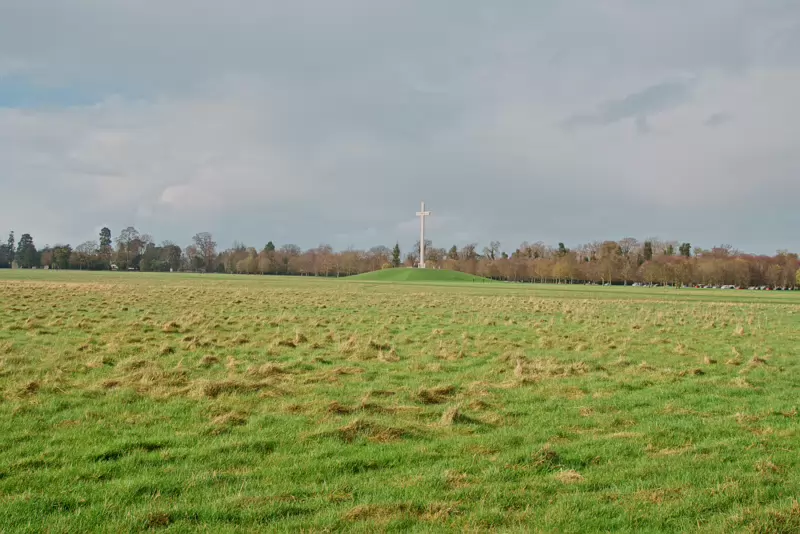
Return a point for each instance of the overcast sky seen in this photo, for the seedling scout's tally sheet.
(315, 122)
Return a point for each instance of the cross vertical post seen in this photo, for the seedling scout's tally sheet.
(422, 214)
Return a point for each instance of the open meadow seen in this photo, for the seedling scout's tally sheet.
(134, 401)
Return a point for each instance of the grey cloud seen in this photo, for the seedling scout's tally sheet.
(310, 121)
(718, 119)
(654, 99)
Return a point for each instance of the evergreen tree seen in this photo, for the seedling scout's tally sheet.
(670, 250)
(5, 257)
(270, 247)
(396, 255)
(562, 250)
(11, 247)
(27, 255)
(648, 251)
(105, 245)
(453, 254)
(685, 250)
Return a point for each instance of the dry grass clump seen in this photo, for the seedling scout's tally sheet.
(546, 459)
(208, 360)
(289, 343)
(570, 476)
(99, 362)
(348, 346)
(783, 521)
(660, 495)
(266, 370)
(535, 370)
(766, 467)
(229, 419)
(451, 416)
(156, 520)
(379, 346)
(336, 408)
(388, 357)
(214, 389)
(370, 430)
(28, 389)
(171, 327)
(741, 382)
(435, 395)
(382, 514)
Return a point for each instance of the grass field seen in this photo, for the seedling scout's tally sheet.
(131, 401)
(404, 274)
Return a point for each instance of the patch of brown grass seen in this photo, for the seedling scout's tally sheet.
(546, 458)
(451, 416)
(780, 521)
(208, 360)
(741, 382)
(435, 395)
(338, 409)
(379, 346)
(230, 419)
(388, 357)
(658, 496)
(214, 389)
(371, 430)
(669, 451)
(266, 370)
(28, 389)
(570, 476)
(374, 512)
(299, 338)
(156, 520)
(171, 327)
(438, 512)
(766, 467)
(456, 480)
(381, 514)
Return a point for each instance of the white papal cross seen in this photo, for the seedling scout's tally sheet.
(422, 214)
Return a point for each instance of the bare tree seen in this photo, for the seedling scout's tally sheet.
(126, 246)
(207, 249)
(492, 251)
(84, 253)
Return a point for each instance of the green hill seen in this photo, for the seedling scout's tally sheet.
(405, 274)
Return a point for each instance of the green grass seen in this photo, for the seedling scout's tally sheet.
(132, 401)
(404, 274)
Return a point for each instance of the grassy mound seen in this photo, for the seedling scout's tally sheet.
(405, 274)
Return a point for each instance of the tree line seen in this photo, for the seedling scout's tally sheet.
(624, 261)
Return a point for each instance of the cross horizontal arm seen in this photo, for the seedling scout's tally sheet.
(421, 213)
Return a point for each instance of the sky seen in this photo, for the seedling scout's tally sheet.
(312, 122)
